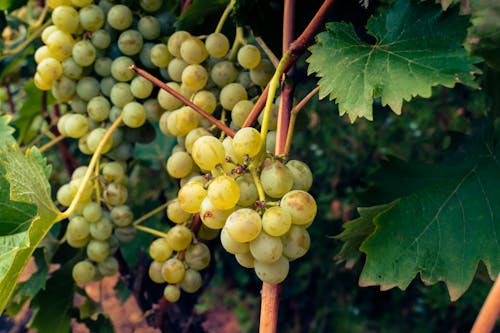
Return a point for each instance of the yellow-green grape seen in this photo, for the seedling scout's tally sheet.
(172, 293)
(173, 270)
(193, 177)
(83, 272)
(231, 245)
(101, 229)
(75, 185)
(179, 164)
(95, 138)
(263, 73)
(134, 115)
(149, 27)
(240, 112)
(130, 42)
(84, 53)
(168, 101)
(121, 216)
(78, 105)
(224, 192)
(49, 69)
(247, 141)
(77, 244)
(160, 250)
(175, 213)
(190, 197)
(120, 69)
(296, 242)
(249, 56)
(60, 44)
(102, 66)
(160, 56)
(205, 100)
(245, 259)
(91, 17)
(141, 87)
(154, 272)
(193, 51)
(101, 39)
(108, 267)
(83, 146)
(207, 152)
(194, 77)
(80, 171)
(64, 89)
(248, 191)
(243, 225)
(276, 179)
(125, 234)
(115, 194)
(217, 45)
(206, 233)
(71, 69)
(301, 206)
(92, 212)
(232, 94)
(273, 273)
(66, 19)
(175, 41)
(302, 175)
(192, 281)
(276, 221)
(266, 248)
(273, 118)
(231, 154)
(120, 94)
(78, 228)
(98, 250)
(223, 73)
(41, 83)
(175, 69)
(194, 135)
(197, 256)
(181, 121)
(179, 237)
(114, 172)
(212, 216)
(98, 108)
(87, 88)
(76, 126)
(163, 124)
(46, 33)
(120, 17)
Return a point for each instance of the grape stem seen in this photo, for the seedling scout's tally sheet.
(488, 315)
(183, 99)
(96, 183)
(258, 184)
(150, 213)
(224, 16)
(52, 142)
(90, 170)
(238, 39)
(150, 231)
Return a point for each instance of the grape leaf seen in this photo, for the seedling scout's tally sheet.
(443, 229)
(10, 5)
(6, 131)
(197, 12)
(417, 47)
(101, 325)
(156, 152)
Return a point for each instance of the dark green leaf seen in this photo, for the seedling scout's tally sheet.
(197, 12)
(101, 325)
(10, 5)
(156, 152)
(122, 291)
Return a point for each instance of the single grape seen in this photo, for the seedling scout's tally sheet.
(302, 175)
(115, 194)
(98, 250)
(273, 273)
(190, 197)
(121, 216)
(194, 135)
(175, 68)
(160, 250)
(134, 115)
(98, 108)
(106, 86)
(175, 213)
(243, 225)
(83, 272)
(168, 101)
(179, 237)
(49, 69)
(232, 94)
(91, 17)
(263, 73)
(272, 122)
(205, 100)
(78, 228)
(101, 39)
(207, 152)
(76, 126)
(276, 221)
(121, 95)
(217, 45)
(160, 56)
(120, 69)
(266, 248)
(92, 212)
(240, 112)
(102, 66)
(94, 139)
(130, 42)
(301, 206)
(247, 141)
(108, 267)
(173, 270)
(223, 192)
(172, 293)
(179, 164)
(276, 179)
(120, 17)
(231, 245)
(193, 51)
(154, 272)
(60, 44)
(87, 88)
(151, 5)
(197, 256)
(223, 73)
(175, 41)
(192, 281)
(194, 77)
(101, 229)
(249, 56)
(248, 191)
(245, 259)
(66, 19)
(149, 27)
(296, 242)
(64, 89)
(212, 216)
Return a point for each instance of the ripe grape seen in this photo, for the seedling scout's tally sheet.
(212, 216)
(121, 216)
(60, 44)
(49, 69)
(247, 141)
(121, 95)
(245, 259)
(243, 225)
(276, 221)
(197, 256)
(302, 175)
(248, 191)
(120, 17)
(194, 77)
(207, 152)
(223, 192)
(240, 112)
(179, 164)
(160, 250)
(108, 267)
(249, 56)
(120, 69)
(134, 115)
(98, 250)
(76, 126)
(232, 94)
(172, 293)
(78, 228)
(168, 101)
(192, 281)
(276, 179)
(160, 56)
(194, 135)
(87, 88)
(273, 273)
(263, 73)
(91, 17)
(175, 68)
(92, 212)
(193, 51)
(149, 27)
(266, 248)
(223, 73)
(102, 66)
(296, 242)
(66, 19)
(98, 108)
(231, 245)
(63, 89)
(95, 137)
(301, 206)
(175, 41)
(173, 270)
(190, 197)
(217, 45)
(175, 213)
(101, 229)
(205, 100)
(130, 42)
(101, 39)
(154, 272)
(83, 272)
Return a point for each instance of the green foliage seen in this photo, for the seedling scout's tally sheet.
(407, 59)
(155, 153)
(197, 13)
(10, 5)
(101, 325)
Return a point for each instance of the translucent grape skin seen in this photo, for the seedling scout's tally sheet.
(160, 250)
(83, 272)
(217, 45)
(207, 152)
(173, 270)
(224, 192)
(179, 237)
(197, 256)
(276, 221)
(273, 273)
(172, 293)
(243, 225)
(301, 206)
(192, 281)
(249, 56)
(276, 179)
(266, 248)
(247, 141)
(190, 196)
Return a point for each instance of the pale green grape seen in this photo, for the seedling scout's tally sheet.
(212, 216)
(205, 100)
(266, 248)
(160, 56)
(263, 73)
(101, 39)
(273, 273)
(151, 5)
(95, 137)
(102, 66)
(91, 18)
(84, 53)
(194, 77)
(163, 123)
(168, 101)
(98, 250)
(247, 141)
(173, 270)
(83, 272)
(98, 108)
(77, 244)
(207, 152)
(223, 73)
(244, 79)
(175, 68)
(223, 192)
(231, 245)
(240, 112)
(76, 126)
(121, 216)
(175, 41)
(79, 172)
(243, 225)
(153, 109)
(302, 175)
(92, 212)
(217, 45)
(197, 256)
(301, 206)
(232, 94)
(248, 191)
(190, 197)
(192, 281)
(194, 135)
(49, 69)
(231, 154)
(160, 250)
(64, 89)
(101, 229)
(125, 234)
(108, 267)
(271, 142)
(60, 44)
(65, 18)
(120, 69)
(115, 194)
(296, 242)
(114, 172)
(130, 42)
(276, 179)
(181, 121)
(87, 88)
(245, 259)
(145, 55)
(78, 228)
(78, 105)
(121, 95)
(106, 85)
(154, 272)
(179, 237)
(276, 221)
(249, 56)
(193, 51)
(120, 17)
(134, 115)
(179, 164)
(175, 213)
(172, 293)
(149, 27)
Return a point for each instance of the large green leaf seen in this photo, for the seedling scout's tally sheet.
(197, 13)
(416, 47)
(444, 228)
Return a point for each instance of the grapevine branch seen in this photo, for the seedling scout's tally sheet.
(488, 315)
(183, 99)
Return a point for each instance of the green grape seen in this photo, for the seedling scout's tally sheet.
(266, 248)
(231, 245)
(168, 101)
(193, 51)
(41, 83)
(248, 191)
(75, 243)
(47, 32)
(130, 42)
(115, 194)
(175, 69)
(245, 259)
(105, 5)
(83, 146)
(134, 115)
(79, 172)
(101, 39)
(272, 123)
(207, 152)
(98, 250)
(173, 270)
(273, 273)
(194, 77)
(163, 123)
(91, 17)
(114, 172)
(102, 66)
(160, 250)
(223, 192)
(247, 141)
(181, 121)
(296, 242)
(249, 56)
(75, 185)
(160, 56)
(101, 229)
(145, 55)
(276, 221)
(212, 216)
(217, 45)
(243, 225)
(149, 27)
(120, 69)
(87, 88)
(263, 73)
(179, 237)
(154, 272)
(121, 216)
(49, 69)
(61, 123)
(194, 135)
(197, 256)
(301, 206)
(190, 197)
(98, 108)
(244, 80)
(151, 5)
(276, 179)
(92, 212)
(78, 228)
(63, 89)
(172, 293)
(153, 109)
(240, 112)
(60, 44)
(76, 126)
(108, 267)
(231, 154)
(81, 3)
(125, 234)
(95, 137)
(84, 53)
(223, 73)
(302, 175)
(175, 41)
(205, 100)
(65, 18)
(179, 164)
(175, 213)
(83, 272)
(78, 106)
(120, 17)
(42, 53)
(192, 281)
(232, 94)
(106, 85)
(121, 95)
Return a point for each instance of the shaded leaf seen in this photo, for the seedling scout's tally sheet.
(101, 325)
(10, 5)
(155, 153)
(6, 131)
(122, 291)
(417, 47)
(197, 12)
